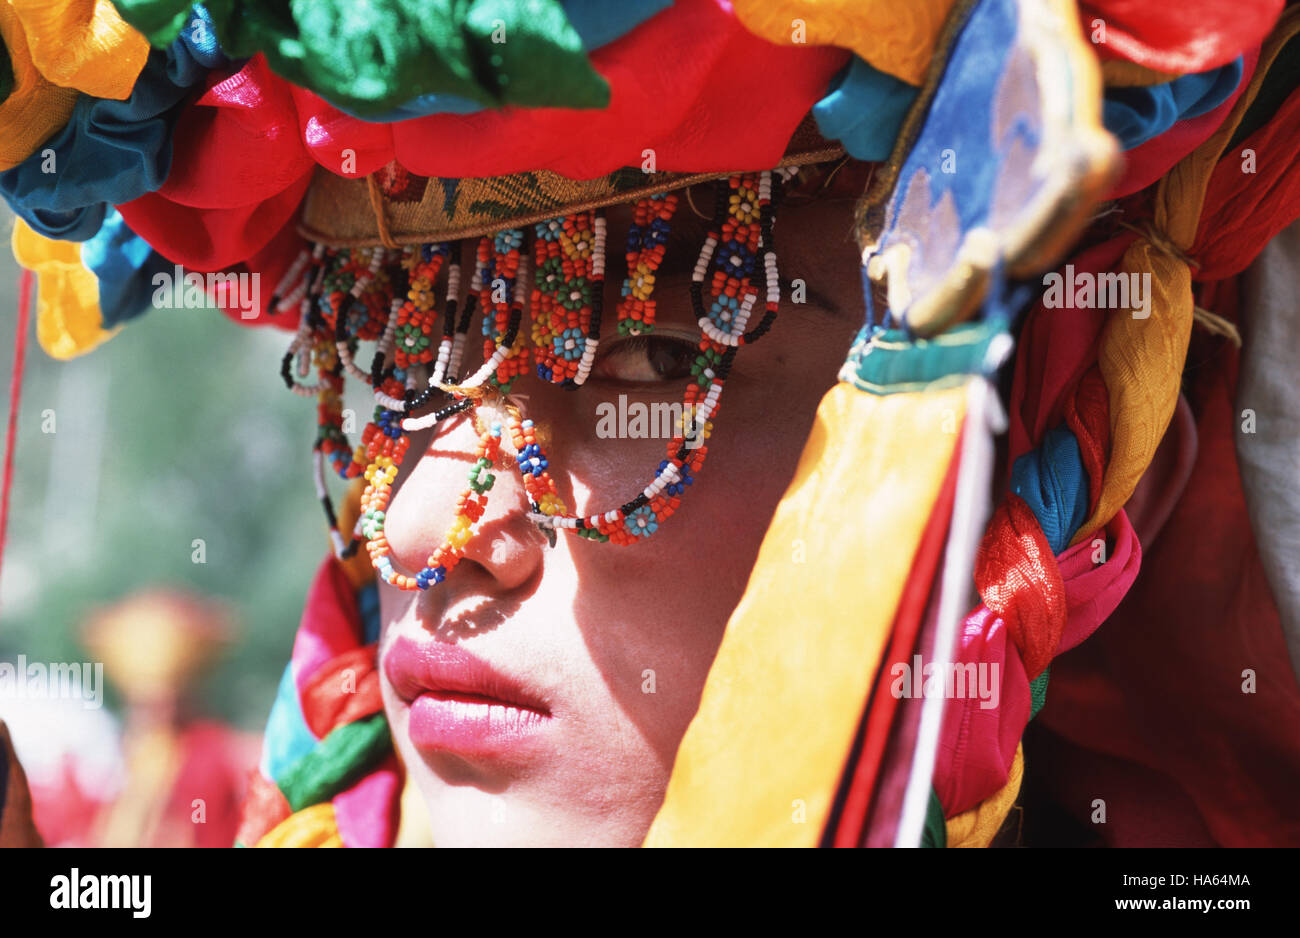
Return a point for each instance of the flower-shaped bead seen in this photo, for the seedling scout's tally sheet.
(642, 522)
(552, 504)
(531, 461)
(550, 275)
(642, 281)
(735, 258)
(381, 472)
(575, 294)
(372, 524)
(723, 311)
(579, 238)
(684, 479)
(549, 230)
(569, 344)
(411, 339)
(508, 240)
(743, 205)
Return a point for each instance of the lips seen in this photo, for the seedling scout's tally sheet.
(458, 702)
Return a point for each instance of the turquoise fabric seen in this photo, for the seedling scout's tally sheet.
(287, 738)
(889, 361)
(1052, 481)
(864, 110)
(108, 152)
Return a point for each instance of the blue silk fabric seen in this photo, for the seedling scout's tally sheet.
(111, 152)
(1135, 115)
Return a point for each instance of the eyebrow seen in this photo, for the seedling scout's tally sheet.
(818, 299)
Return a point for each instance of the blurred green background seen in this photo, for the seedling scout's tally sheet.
(176, 429)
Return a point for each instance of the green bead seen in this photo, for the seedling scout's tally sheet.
(478, 481)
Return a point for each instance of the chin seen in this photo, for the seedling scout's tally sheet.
(469, 816)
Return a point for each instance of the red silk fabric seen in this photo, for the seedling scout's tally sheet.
(1057, 347)
(1188, 36)
(264, 807)
(238, 174)
(1017, 578)
(343, 690)
(1244, 210)
(270, 264)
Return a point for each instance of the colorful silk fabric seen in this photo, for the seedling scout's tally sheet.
(35, 107)
(1137, 114)
(328, 775)
(734, 780)
(1179, 715)
(85, 291)
(899, 38)
(108, 153)
(213, 212)
(687, 117)
(1139, 363)
(1141, 359)
(244, 150)
(55, 49)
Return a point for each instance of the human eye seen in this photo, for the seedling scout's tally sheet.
(651, 358)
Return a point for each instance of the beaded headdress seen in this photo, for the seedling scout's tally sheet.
(551, 273)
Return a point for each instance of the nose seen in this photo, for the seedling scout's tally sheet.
(423, 510)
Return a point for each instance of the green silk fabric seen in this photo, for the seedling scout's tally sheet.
(369, 56)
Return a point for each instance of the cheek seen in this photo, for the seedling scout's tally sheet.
(652, 615)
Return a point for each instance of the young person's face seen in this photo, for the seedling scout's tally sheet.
(605, 649)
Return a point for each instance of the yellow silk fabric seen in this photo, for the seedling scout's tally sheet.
(68, 320)
(978, 826)
(82, 44)
(57, 48)
(36, 107)
(310, 827)
(761, 762)
(895, 36)
(1142, 360)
